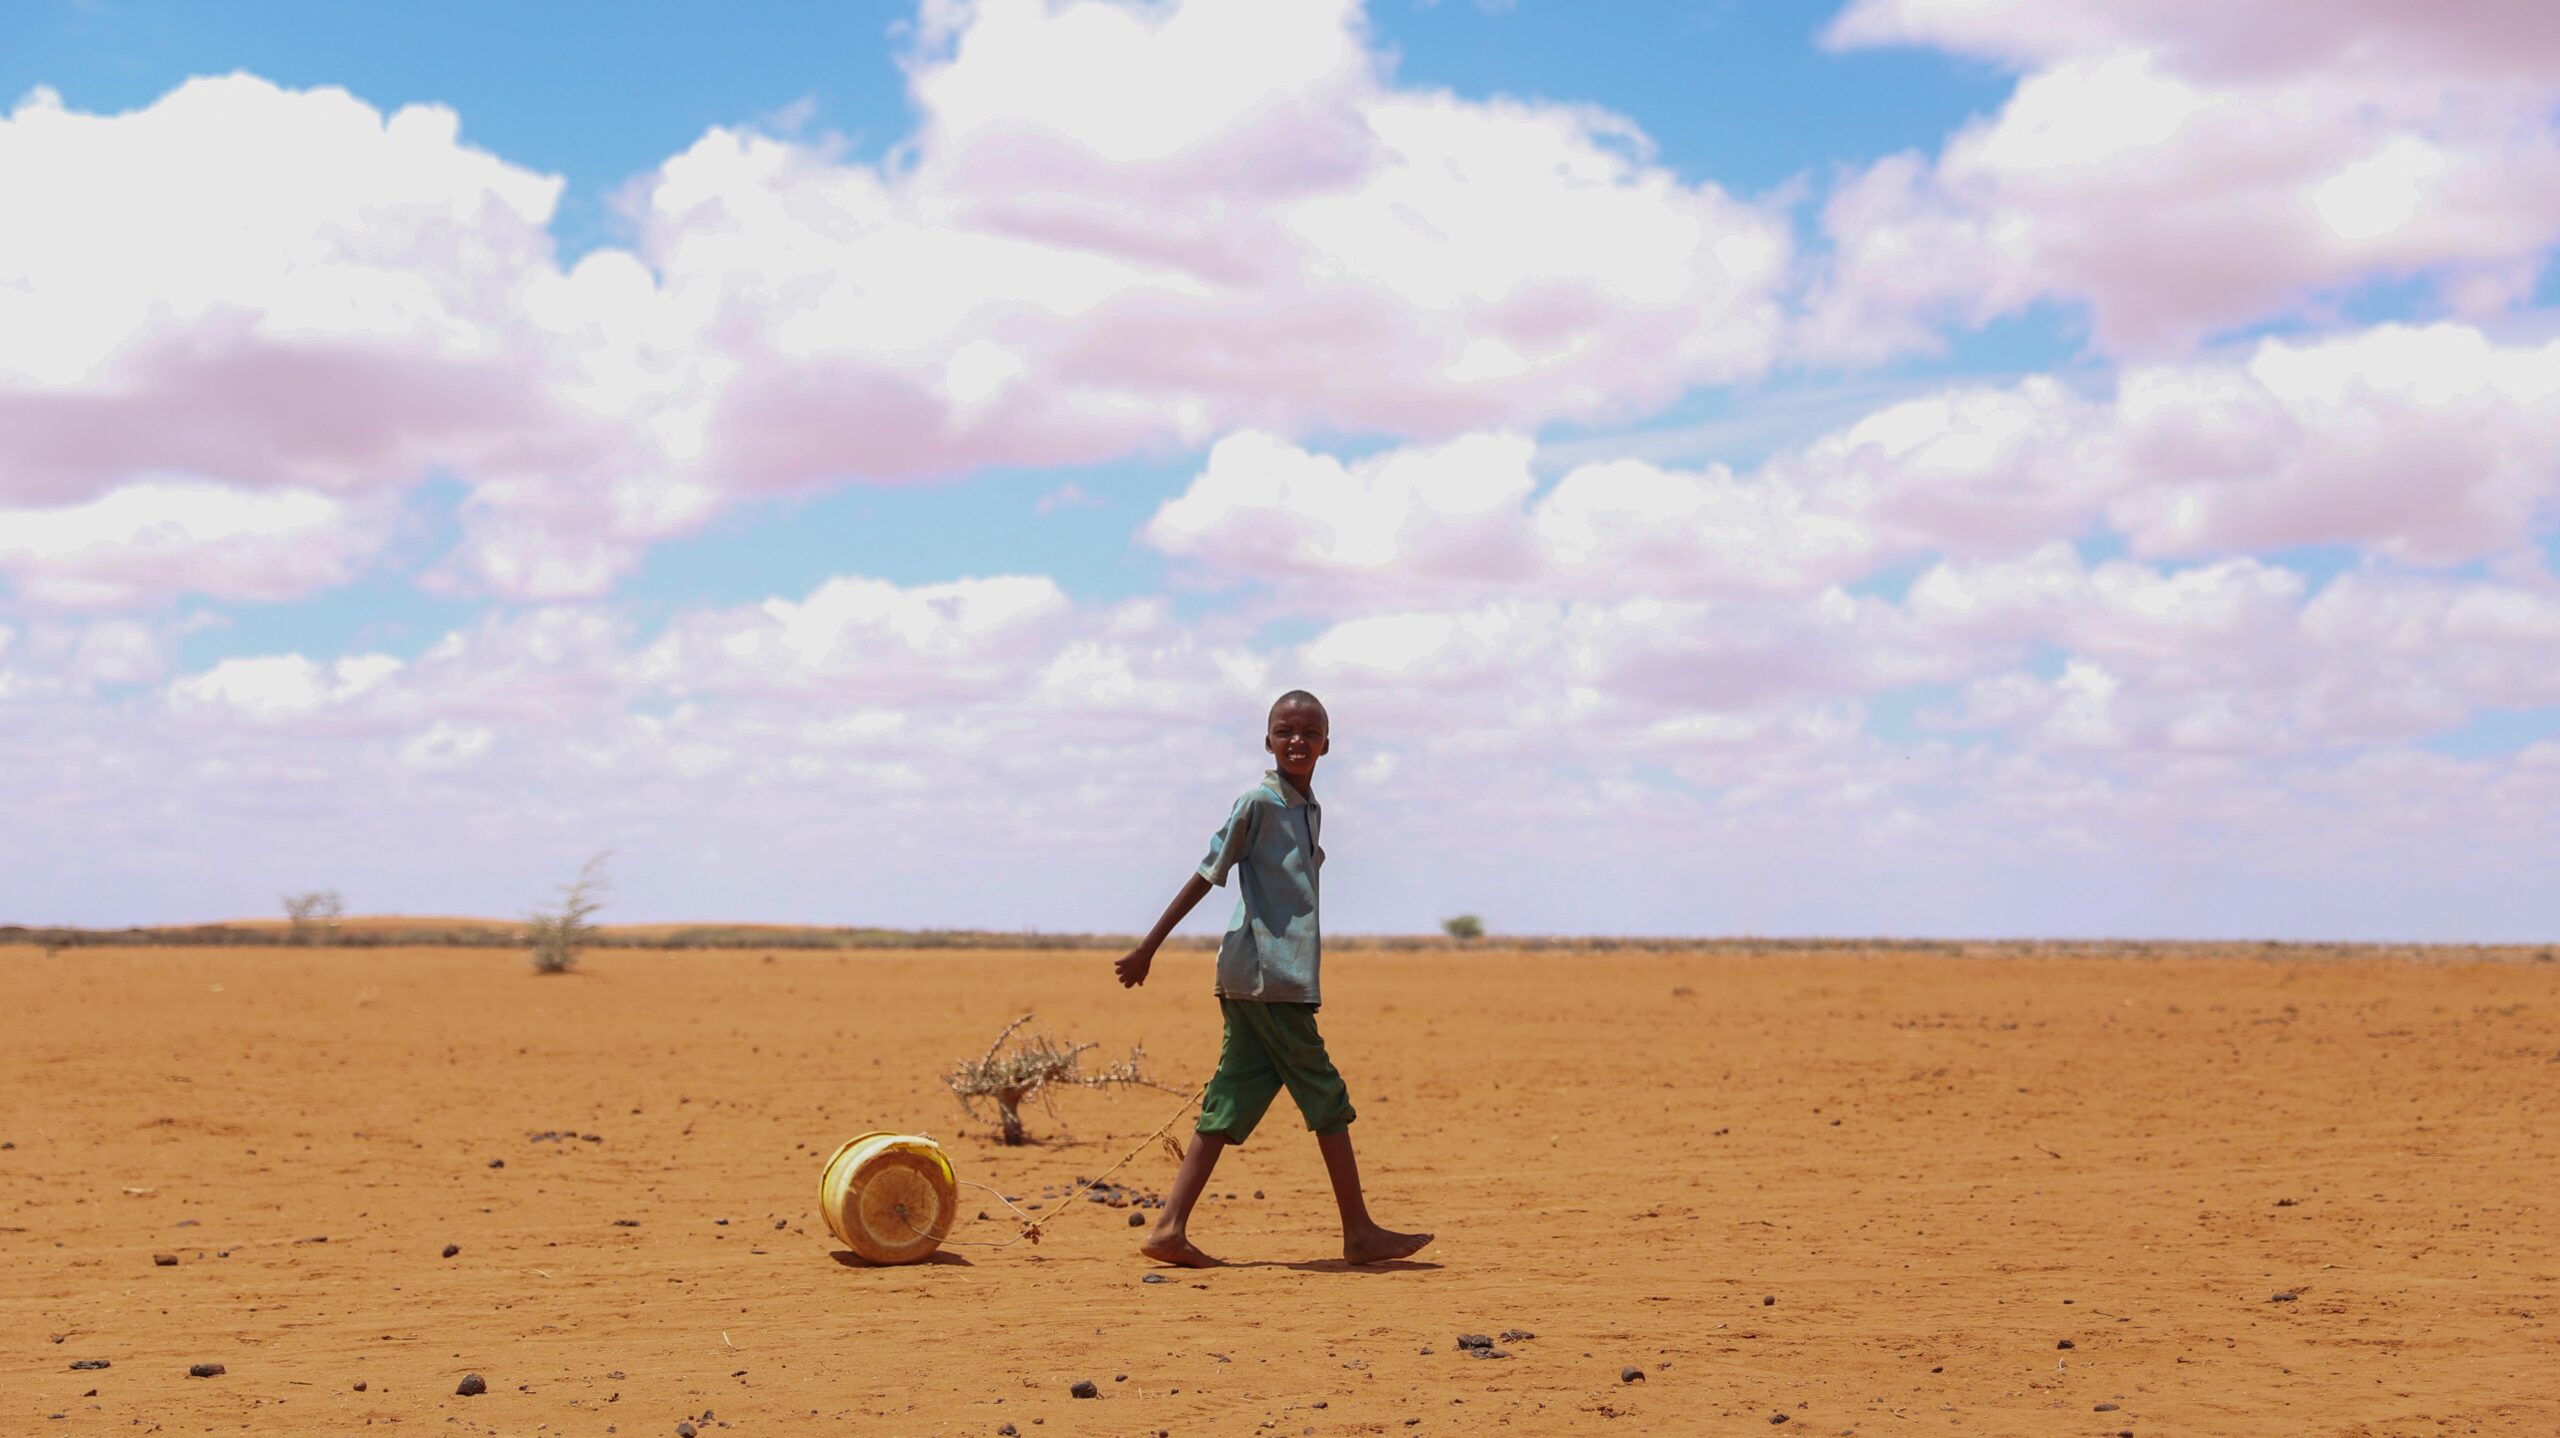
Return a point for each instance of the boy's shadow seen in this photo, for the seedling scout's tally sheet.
(1326, 1265)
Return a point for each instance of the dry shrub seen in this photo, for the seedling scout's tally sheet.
(1035, 1065)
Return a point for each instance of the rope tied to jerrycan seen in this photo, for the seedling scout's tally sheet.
(896, 1203)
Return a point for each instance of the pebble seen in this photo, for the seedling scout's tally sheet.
(1488, 1353)
(85, 1364)
(2104, 1408)
(1777, 1418)
(2288, 1296)
(497, 1163)
(1515, 1335)
(1257, 1193)
(359, 1385)
(1084, 1389)
(451, 1249)
(626, 1223)
(779, 1222)
(1474, 1340)
(2066, 1343)
(1119, 1377)
(471, 1386)
(164, 1260)
(1155, 1278)
(1768, 1300)
(1631, 1375)
(1137, 1220)
(206, 1370)
(1008, 1431)
(684, 1430)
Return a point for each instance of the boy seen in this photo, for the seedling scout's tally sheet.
(1267, 990)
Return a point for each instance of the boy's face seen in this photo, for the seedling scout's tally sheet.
(1297, 737)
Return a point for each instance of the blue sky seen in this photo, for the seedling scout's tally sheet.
(1886, 486)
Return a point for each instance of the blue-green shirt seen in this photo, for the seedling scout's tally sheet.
(1271, 948)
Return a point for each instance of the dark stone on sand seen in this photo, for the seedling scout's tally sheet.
(626, 1223)
(2065, 1343)
(1768, 1300)
(722, 1222)
(1515, 1335)
(471, 1386)
(684, 1430)
(164, 1260)
(1137, 1220)
(1488, 1353)
(1008, 1431)
(206, 1370)
(1155, 1278)
(451, 1249)
(86, 1364)
(1474, 1340)
(1937, 1370)
(1777, 1417)
(1257, 1193)
(779, 1222)
(359, 1385)
(497, 1163)
(2288, 1296)
(1631, 1375)
(2104, 1408)
(1084, 1389)
(190, 1223)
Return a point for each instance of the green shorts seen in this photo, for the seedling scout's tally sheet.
(1268, 1047)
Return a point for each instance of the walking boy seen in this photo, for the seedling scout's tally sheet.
(1267, 990)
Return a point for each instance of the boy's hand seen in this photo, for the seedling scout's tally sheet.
(1132, 967)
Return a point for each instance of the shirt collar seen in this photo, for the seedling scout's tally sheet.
(1281, 786)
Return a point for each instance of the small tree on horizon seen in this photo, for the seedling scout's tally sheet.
(1463, 928)
(315, 914)
(558, 934)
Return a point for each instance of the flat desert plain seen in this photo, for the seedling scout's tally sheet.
(1871, 1192)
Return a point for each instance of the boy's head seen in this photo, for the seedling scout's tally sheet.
(1297, 733)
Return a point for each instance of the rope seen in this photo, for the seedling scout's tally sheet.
(1033, 1228)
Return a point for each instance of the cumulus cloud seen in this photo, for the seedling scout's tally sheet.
(2430, 445)
(2178, 168)
(141, 542)
(291, 290)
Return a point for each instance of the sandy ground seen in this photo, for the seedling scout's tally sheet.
(1867, 1193)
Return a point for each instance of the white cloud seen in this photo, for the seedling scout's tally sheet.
(144, 541)
(280, 687)
(2431, 445)
(2179, 170)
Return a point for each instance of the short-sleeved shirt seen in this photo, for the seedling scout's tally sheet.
(1271, 949)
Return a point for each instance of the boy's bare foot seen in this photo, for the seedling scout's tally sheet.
(1175, 1249)
(1379, 1245)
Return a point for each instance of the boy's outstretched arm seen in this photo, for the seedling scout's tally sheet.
(1132, 966)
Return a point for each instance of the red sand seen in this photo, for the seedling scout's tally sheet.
(1941, 1169)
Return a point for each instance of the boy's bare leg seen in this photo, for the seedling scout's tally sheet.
(1168, 1241)
(1363, 1241)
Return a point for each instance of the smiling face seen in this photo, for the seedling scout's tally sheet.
(1297, 734)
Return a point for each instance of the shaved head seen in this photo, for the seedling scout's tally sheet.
(1300, 696)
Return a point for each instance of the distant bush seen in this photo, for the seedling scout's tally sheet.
(1463, 927)
(558, 934)
(313, 917)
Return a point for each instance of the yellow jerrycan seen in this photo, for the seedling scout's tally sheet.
(890, 1197)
